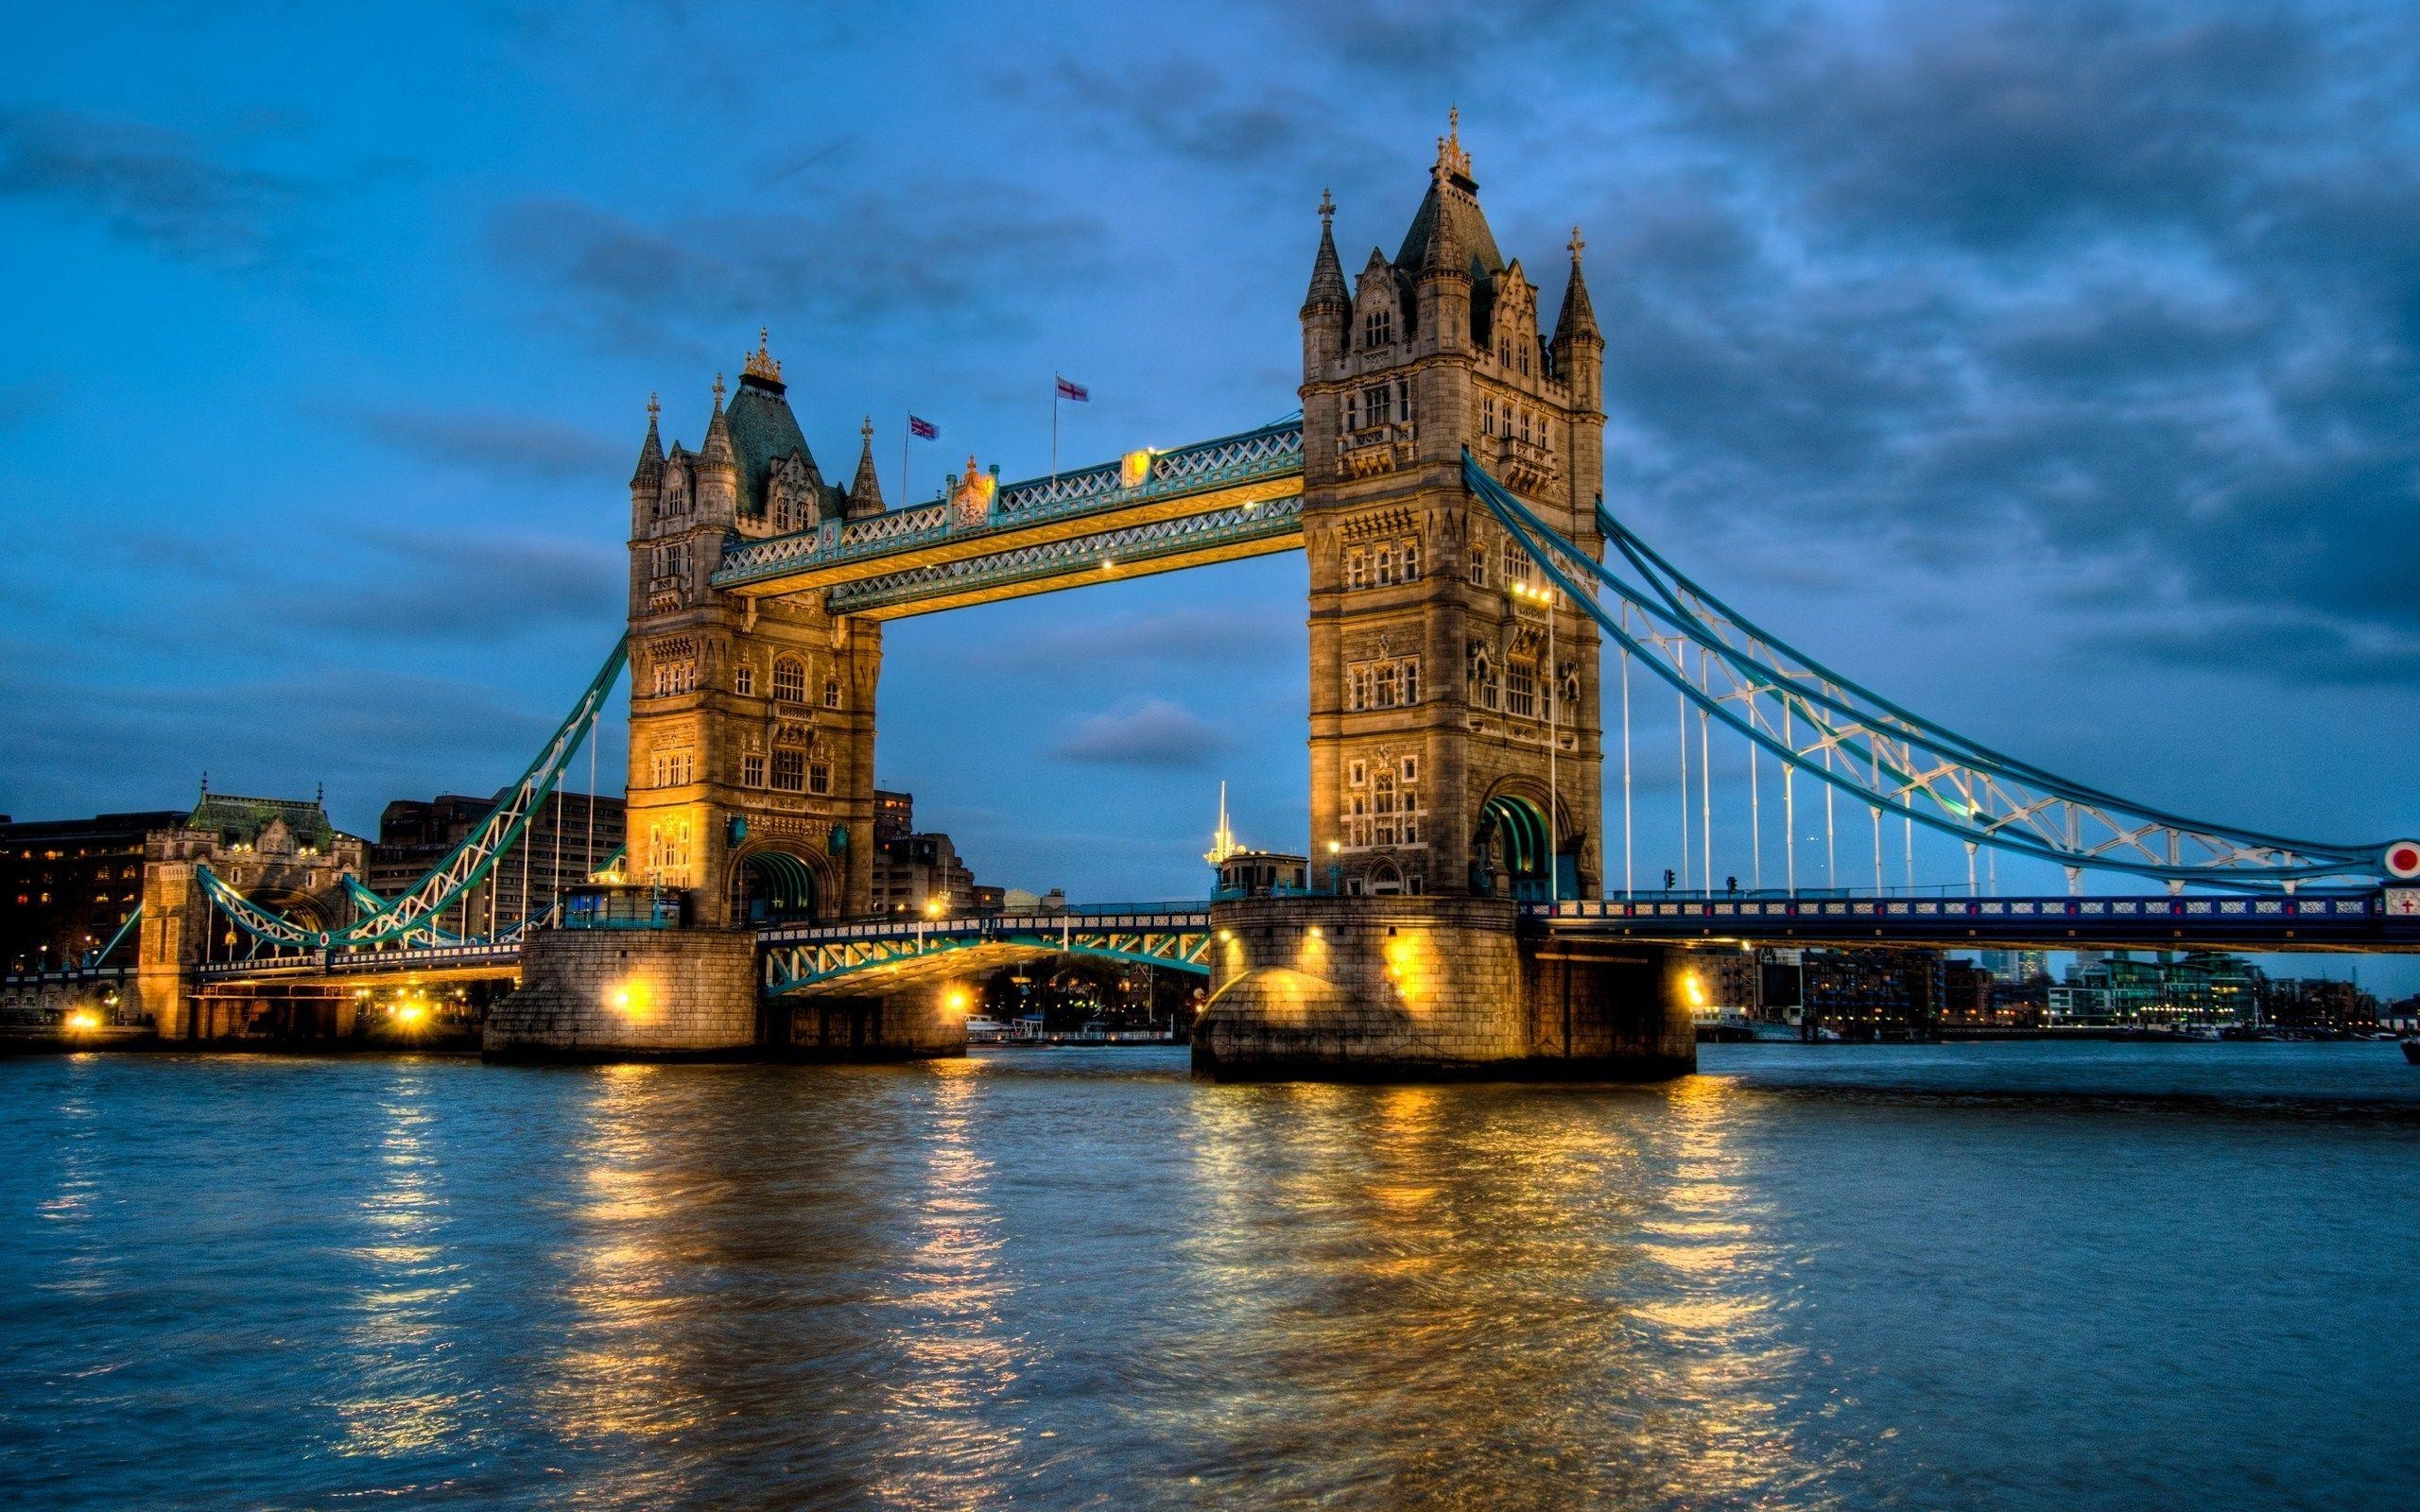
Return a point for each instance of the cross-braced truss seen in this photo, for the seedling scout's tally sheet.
(1895, 761)
(1133, 548)
(1267, 453)
(804, 958)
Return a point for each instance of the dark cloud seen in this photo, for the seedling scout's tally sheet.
(1153, 732)
(2126, 295)
(274, 734)
(1238, 638)
(1245, 124)
(2291, 647)
(511, 446)
(867, 261)
(482, 587)
(162, 189)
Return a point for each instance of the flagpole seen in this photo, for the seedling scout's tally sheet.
(905, 432)
(1054, 428)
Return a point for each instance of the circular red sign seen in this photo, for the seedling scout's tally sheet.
(2403, 858)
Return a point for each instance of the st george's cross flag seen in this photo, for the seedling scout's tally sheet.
(924, 429)
(1078, 392)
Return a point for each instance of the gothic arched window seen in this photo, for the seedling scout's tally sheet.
(789, 679)
(1378, 327)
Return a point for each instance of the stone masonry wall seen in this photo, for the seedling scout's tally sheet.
(1361, 986)
(608, 994)
(1426, 989)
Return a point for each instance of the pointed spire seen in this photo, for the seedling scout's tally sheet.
(716, 450)
(1452, 162)
(651, 449)
(865, 490)
(1222, 841)
(1327, 291)
(1578, 317)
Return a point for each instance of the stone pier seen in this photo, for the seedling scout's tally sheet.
(630, 995)
(597, 995)
(1431, 988)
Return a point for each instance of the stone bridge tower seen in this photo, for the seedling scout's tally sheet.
(1438, 686)
(751, 723)
(282, 853)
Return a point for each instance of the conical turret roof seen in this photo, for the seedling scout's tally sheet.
(865, 489)
(1327, 273)
(1578, 317)
(651, 465)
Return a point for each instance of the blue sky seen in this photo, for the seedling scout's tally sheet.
(2051, 366)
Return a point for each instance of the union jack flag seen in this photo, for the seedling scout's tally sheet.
(923, 429)
(1078, 392)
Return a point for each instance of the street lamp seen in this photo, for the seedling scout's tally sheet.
(1335, 868)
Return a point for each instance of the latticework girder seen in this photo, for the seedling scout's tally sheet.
(415, 911)
(1895, 762)
(799, 958)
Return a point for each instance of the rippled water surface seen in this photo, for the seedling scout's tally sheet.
(2006, 1276)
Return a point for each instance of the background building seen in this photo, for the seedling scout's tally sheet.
(67, 884)
(415, 835)
(1873, 994)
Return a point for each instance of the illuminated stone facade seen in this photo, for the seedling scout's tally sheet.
(281, 853)
(751, 721)
(1434, 671)
(1431, 989)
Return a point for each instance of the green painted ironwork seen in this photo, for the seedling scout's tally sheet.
(796, 957)
(1885, 756)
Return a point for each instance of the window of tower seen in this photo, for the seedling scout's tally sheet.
(1521, 688)
(1410, 561)
(789, 770)
(743, 680)
(1378, 327)
(752, 770)
(789, 679)
(831, 693)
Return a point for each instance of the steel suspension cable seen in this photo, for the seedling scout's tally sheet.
(2236, 858)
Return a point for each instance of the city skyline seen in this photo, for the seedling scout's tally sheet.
(391, 364)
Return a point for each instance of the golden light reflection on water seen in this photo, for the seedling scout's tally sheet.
(948, 1317)
(619, 1371)
(1522, 1296)
(394, 1319)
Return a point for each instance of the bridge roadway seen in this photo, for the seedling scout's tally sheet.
(1219, 499)
(887, 954)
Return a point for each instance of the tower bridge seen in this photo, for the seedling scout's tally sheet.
(1466, 583)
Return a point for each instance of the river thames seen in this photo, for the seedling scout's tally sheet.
(2013, 1275)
